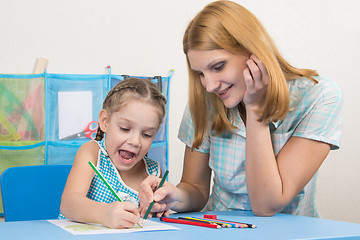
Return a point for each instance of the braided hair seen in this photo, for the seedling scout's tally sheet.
(127, 90)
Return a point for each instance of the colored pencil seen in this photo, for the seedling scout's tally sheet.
(223, 224)
(246, 224)
(152, 203)
(202, 221)
(196, 220)
(249, 225)
(108, 185)
(233, 224)
(188, 222)
(105, 182)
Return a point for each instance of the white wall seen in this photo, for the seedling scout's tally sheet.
(144, 37)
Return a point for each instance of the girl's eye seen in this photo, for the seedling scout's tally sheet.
(147, 135)
(219, 66)
(124, 129)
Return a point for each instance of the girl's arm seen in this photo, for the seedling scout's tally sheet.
(76, 206)
(273, 182)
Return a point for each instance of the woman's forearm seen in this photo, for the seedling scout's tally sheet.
(191, 198)
(263, 178)
(194, 188)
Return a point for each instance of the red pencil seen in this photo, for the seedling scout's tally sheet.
(181, 221)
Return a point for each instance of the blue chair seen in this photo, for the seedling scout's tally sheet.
(33, 192)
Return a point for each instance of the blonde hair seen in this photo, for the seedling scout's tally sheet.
(229, 26)
(130, 89)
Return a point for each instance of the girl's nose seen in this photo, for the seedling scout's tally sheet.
(134, 139)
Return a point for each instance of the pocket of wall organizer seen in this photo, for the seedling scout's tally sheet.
(73, 101)
(22, 110)
(21, 154)
(158, 152)
(60, 152)
(14, 154)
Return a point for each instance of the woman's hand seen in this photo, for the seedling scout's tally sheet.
(256, 79)
(165, 197)
(120, 215)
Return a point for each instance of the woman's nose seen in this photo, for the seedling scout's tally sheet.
(210, 83)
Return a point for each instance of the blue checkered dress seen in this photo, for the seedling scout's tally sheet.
(315, 114)
(98, 190)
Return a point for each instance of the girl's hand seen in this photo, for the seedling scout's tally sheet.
(165, 197)
(256, 79)
(120, 215)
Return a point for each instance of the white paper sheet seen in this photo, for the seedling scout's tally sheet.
(76, 228)
(75, 112)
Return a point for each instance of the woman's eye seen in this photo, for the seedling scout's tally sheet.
(200, 74)
(124, 129)
(219, 66)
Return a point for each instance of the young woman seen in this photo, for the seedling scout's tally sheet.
(262, 126)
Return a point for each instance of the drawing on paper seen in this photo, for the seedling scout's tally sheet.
(77, 228)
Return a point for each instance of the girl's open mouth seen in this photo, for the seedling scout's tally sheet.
(126, 156)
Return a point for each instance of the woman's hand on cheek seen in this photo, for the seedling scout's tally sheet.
(256, 80)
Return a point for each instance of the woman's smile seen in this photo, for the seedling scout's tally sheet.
(225, 93)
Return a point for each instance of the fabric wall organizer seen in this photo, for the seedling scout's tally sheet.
(39, 111)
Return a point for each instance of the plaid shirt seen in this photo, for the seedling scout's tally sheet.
(315, 114)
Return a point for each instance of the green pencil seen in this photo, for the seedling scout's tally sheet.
(152, 203)
(107, 184)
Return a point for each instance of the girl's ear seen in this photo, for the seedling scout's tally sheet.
(103, 120)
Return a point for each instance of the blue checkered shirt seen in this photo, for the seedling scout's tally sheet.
(98, 190)
(315, 114)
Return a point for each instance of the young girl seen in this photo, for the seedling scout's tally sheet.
(262, 126)
(131, 116)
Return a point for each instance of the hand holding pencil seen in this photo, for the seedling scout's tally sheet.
(155, 196)
(118, 214)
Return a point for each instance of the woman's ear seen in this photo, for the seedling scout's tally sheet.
(103, 120)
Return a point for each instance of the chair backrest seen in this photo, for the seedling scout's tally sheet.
(33, 192)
